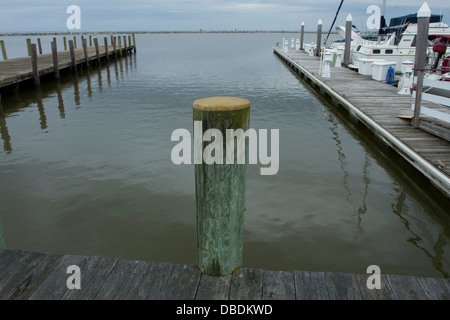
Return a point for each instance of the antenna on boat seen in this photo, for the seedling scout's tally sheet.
(337, 12)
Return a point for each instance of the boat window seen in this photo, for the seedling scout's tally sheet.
(413, 44)
(389, 51)
(376, 51)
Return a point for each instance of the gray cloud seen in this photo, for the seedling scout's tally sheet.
(114, 15)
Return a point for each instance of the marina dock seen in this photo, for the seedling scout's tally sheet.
(32, 275)
(377, 105)
(18, 72)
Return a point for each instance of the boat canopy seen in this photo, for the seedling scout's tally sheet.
(397, 23)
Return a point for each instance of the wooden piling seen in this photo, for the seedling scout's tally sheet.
(105, 41)
(134, 42)
(39, 45)
(75, 42)
(29, 47)
(86, 56)
(319, 37)
(97, 51)
(125, 44)
(55, 59)
(129, 43)
(120, 45)
(423, 16)
(2, 44)
(90, 40)
(65, 43)
(302, 35)
(348, 40)
(72, 56)
(114, 46)
(34, 64)
(220, 188)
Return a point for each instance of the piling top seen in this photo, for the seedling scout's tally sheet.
(221, 104)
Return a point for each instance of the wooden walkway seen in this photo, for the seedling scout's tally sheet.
(18, 70)
(31, 275)
(377, 106)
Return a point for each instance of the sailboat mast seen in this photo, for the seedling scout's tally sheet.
(382, 19)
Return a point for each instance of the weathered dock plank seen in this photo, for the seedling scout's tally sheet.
(98, 270)
(247, 285)
(278, 285)
(406, 288)
(342, 286)
(54, 285)
(30, 275)
(213, 288)
(311, 285)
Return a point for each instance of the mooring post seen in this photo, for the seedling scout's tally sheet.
(97, 51)
(39, 45)
(302, 35)
(55, 59)
(2, 44)
(72, 56)
(348, 40)
(134, 43)
(130, 47)
(75, 42)
(65, 43)
(114, 47)
(86, 56)
(90, 40)
(105, 41)
(319, 37)
(220, 188)
(120, 45)
(125, 44)
(34, 65)
(423, 16)
(29, 47)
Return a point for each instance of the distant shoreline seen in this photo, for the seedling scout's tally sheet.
(142, 32)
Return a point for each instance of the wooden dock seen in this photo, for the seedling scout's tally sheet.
(32, 275)
(377, 105)
(15, 72)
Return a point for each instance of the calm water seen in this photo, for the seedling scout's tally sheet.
(85, 166)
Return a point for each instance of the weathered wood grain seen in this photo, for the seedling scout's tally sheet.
(406, 288)
(310, 285)
(342, 286)
(54, 286)
(213, 288)
(278, 285)
(246, 285)
(384, 293)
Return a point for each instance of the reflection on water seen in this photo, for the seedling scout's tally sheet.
(4, 131)
(2, 236)
(62, 114)
(85, 167)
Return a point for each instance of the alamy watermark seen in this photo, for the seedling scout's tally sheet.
(373, 22)
(213, 152)
(74, 20)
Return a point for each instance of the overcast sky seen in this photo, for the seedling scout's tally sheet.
(155, 15)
